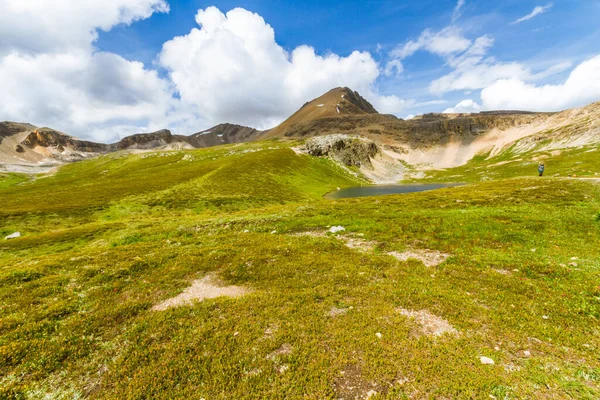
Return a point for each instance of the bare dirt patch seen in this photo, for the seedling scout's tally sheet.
(270, 331)
(501, 271)
(350, 385)
(358, 244)
(430, 258)
(316, 234)
(283, 350)
(208, 287)
(276, 356)
(335, 312)
(429, 323)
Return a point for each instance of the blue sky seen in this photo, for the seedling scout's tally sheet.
(407, 57)
(568, 31)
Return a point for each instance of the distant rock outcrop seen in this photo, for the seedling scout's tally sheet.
(146, 140)
(350, 151)
(222, 134)
(8, 129)
(49, 138)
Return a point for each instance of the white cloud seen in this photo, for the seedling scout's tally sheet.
(536, 11)
(458, 10)
(581, 87)
(465, 106)
(36, 26)
(232, 69)
(79, 92)
(474, 70)
(54, 77)
(393, 67)
(448, 41)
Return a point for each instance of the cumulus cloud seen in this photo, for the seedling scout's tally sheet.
(79, 91)
(36, 26)
(536, 11)
(580, 88)
(448, 41)
(232, 69)
(54, 77)
(465, 106)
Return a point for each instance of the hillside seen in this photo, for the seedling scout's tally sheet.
(402, 303)
(26, 148)
(405, 149)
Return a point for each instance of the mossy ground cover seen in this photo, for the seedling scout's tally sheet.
(77, 290)
(11, 179)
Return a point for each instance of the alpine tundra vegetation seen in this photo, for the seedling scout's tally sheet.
(375, 242)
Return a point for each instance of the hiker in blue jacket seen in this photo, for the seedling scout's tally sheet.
(541, 169)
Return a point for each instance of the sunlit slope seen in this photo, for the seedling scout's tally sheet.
(520, 161)
(522, 276)
(218, 176)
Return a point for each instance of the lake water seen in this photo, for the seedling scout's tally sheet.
(381, 190)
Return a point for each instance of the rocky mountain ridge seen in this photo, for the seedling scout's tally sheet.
(427, 141)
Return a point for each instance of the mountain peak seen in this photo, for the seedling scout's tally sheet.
(337, 103)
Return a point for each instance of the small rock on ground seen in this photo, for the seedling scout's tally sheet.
(486, 361)
(13, 236)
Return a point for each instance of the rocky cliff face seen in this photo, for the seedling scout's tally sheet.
(348, 150)
(8, 129)
(146, 140)
(435, 128)
(49, 138)
(358, 101)
(222, 134)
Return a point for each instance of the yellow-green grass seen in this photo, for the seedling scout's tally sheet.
(579, 162)
(11, 179)
(78, 288)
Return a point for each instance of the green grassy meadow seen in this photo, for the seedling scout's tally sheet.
(578, 162)
(105, 240)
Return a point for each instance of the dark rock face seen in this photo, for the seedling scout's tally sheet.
(218, 135)
(436, 128)
(222, 134)
(349, 151)
(146, 140)
(12, 128)
(45, 137)
(359, 101)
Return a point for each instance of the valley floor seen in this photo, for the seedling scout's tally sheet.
(413, 299)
